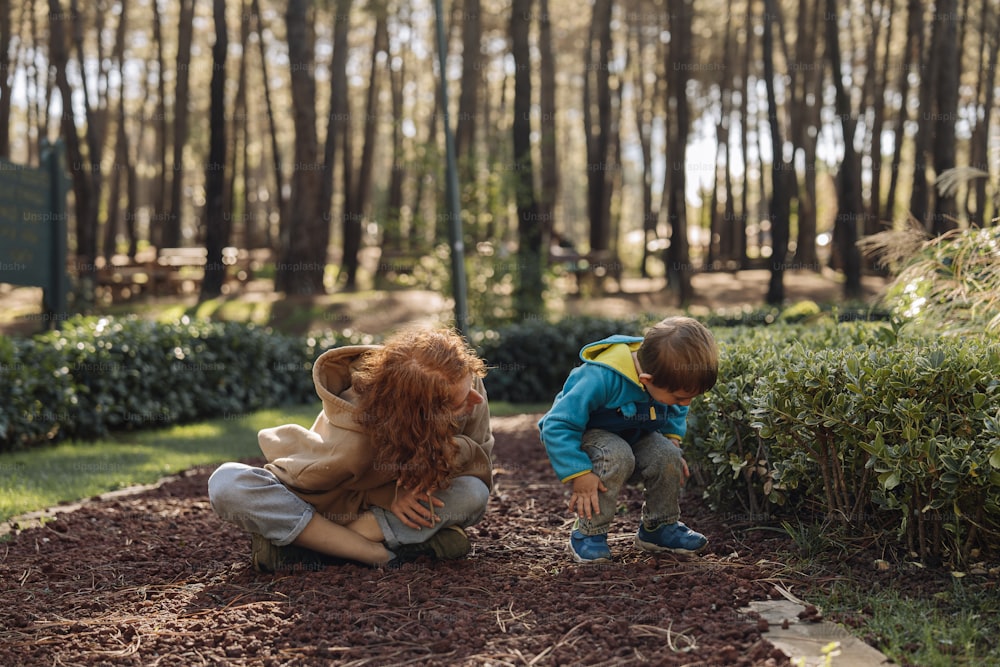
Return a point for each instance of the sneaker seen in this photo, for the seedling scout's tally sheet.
(269, 558)
(675, 537)
(589, 548)
(447, 544)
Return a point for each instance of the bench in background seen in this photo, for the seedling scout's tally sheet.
(172, 271)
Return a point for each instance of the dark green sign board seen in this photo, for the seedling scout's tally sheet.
(33, 228)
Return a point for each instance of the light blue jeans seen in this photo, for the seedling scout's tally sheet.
(256, 501)
(654, 460)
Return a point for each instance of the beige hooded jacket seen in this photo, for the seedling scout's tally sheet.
(332, 465)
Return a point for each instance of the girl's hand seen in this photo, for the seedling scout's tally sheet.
(415, 508)
(585, 499)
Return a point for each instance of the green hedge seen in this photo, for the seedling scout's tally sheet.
(101, 375)
(870, 433)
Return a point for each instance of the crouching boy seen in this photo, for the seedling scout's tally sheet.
(620, 418)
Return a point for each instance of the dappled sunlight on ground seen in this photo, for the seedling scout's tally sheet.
(377, 312)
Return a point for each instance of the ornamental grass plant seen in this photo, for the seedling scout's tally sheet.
(948, 283)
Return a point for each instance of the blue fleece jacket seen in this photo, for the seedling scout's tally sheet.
(604, 393)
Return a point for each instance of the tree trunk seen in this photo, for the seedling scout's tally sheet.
(805, 128)
(468, 99)
(920, 195)
(805, 252)
(159, 199)
(644, 106)
(984, 101)
(597, 96)
(114, 214)
(718, 249)
(239, 215)
(739, 223)
(849, 206)
(780, 190)
(357, 206)
(528, 300)
(216, 220)
(945, 48)
(678, 261)
(87, 228)
(392, 225)
(911, 59)
(549, 194)
(38, 103)
(338, 128)
(6, 77)
(122, 165)
(172, 221)
(80, 172)
(303, 258)
(429, 158)
(132, 205)
(874, 221)
(279, 179)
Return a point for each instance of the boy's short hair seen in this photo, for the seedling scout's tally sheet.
(681, 355)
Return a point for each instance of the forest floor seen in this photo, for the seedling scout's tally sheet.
(154, 577)
(721, 291)
(379, 311)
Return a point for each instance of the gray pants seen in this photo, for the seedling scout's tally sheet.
(256, 501)
(654, 460)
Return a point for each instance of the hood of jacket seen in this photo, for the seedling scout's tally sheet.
(331, 373)
(330, 465)
(615, 352)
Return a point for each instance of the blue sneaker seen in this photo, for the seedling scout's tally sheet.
(589, 548)
(675, 537)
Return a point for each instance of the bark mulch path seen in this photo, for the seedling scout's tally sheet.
(156, 578)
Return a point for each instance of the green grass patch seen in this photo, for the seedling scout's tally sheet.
(67, 472)
(959, 626)
(44, 477)
(504, 409)
(232, 310)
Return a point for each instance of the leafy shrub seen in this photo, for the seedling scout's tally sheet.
(101, 375)
(869, 431)
(803, 410)
(719, 431)
(931, 431)
(801, 312)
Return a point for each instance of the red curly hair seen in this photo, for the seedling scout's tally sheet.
(406, 389)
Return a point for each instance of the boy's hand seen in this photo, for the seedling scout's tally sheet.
(415, 508)
(584, 500)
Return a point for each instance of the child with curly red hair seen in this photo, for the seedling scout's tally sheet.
(398, 462)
